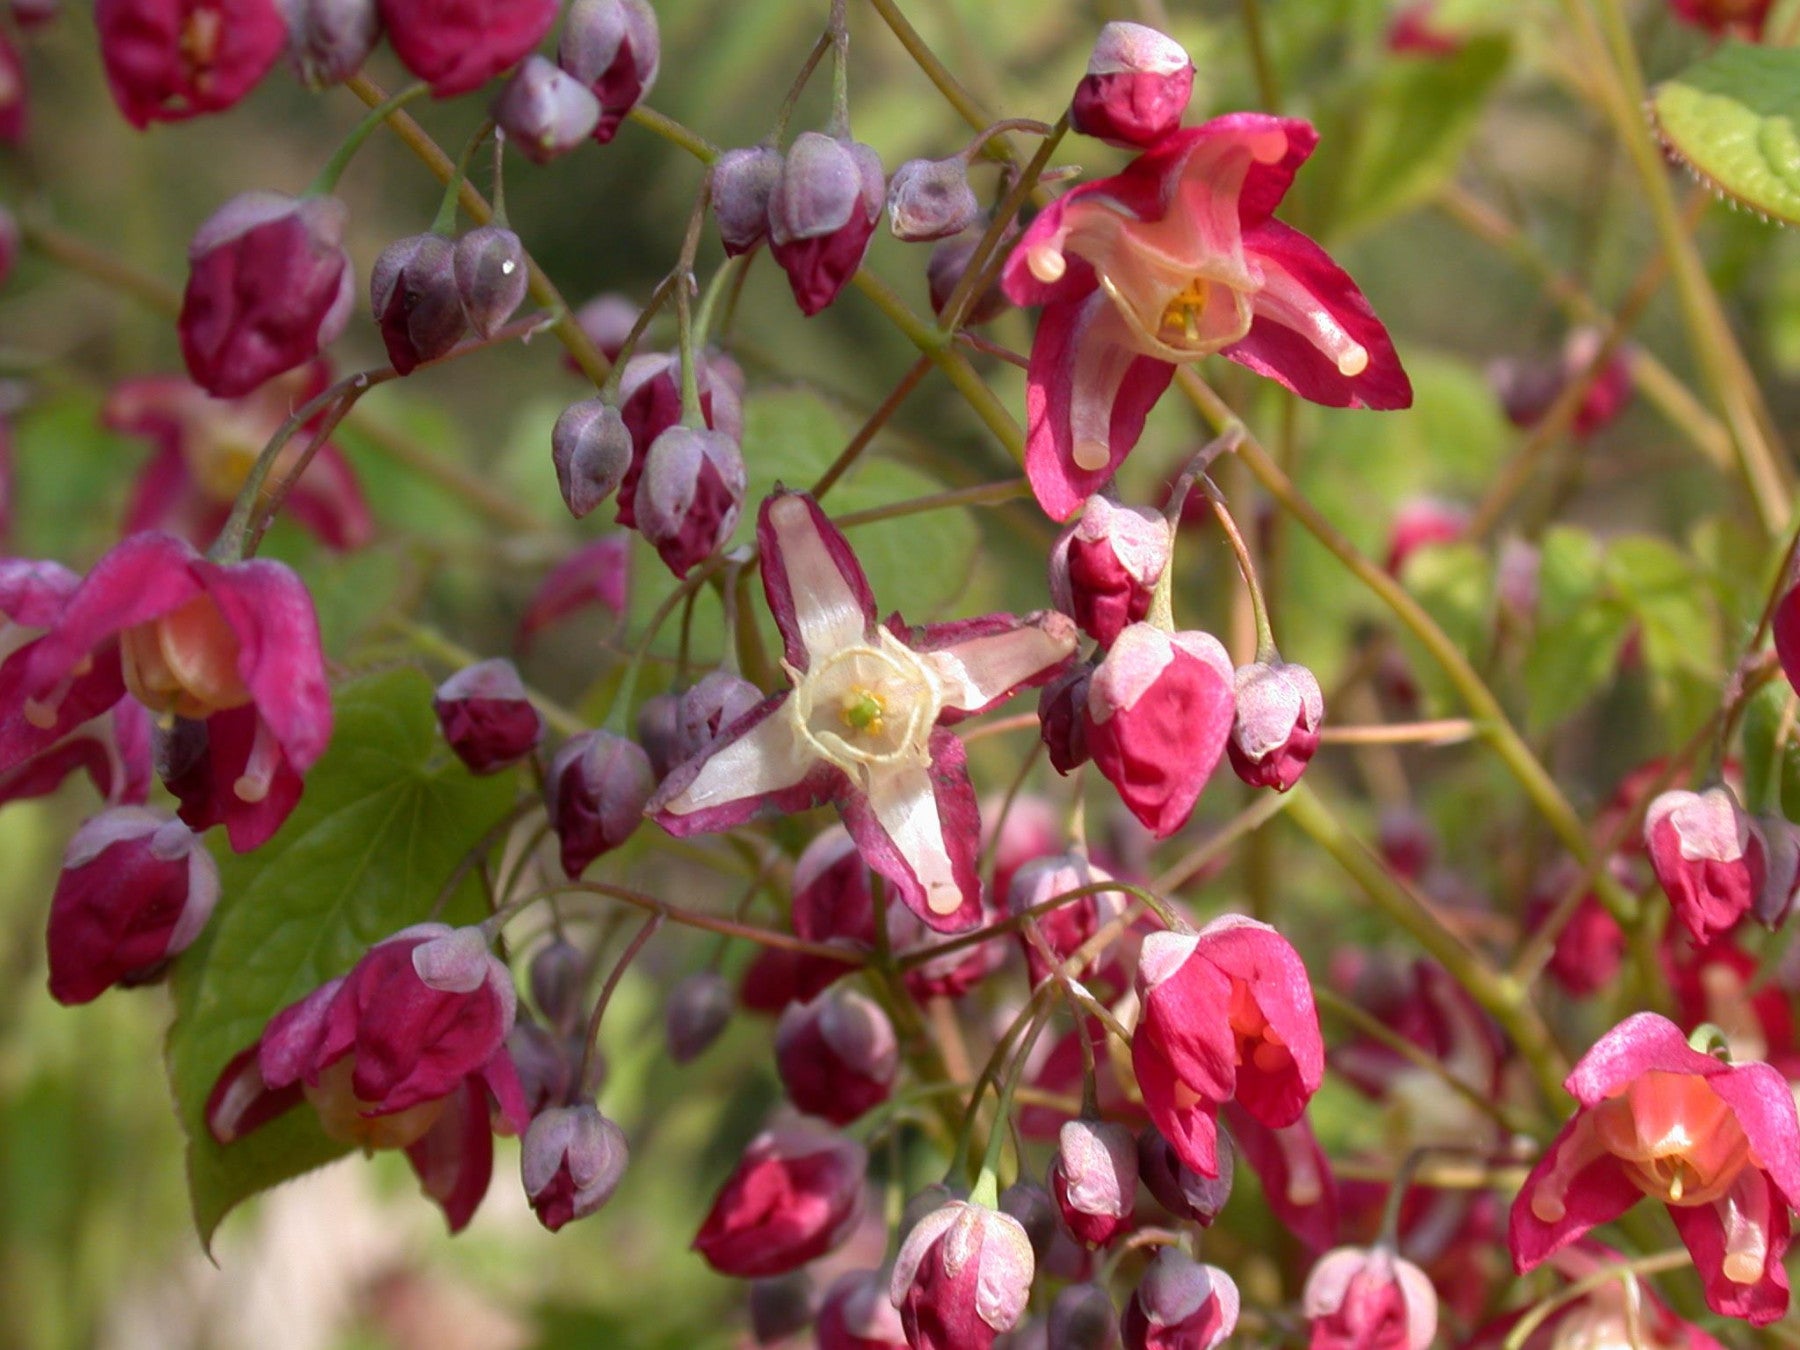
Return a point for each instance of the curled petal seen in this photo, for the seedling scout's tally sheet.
(920, 828)
(815, 586)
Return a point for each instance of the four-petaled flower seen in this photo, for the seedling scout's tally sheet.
(861, 724)
(1174, 258)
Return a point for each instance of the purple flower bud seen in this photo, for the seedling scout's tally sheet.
(709, 707)
(328, 40)
(1177, 1187)
(856, 1314)
(837, 1055)
(545, 111)
(598, 785)
(780, 1306)
(547, 1062)
(659, 731)
(614, 49)
(962, 1277)
(416, 303)
(607, 319)
(931, 199)
(1032, 1206)
(690, 495)
(1276, 730)
(1062, 719)
(650, 402)
(1137, 86)
(1180, 1302)
(1105, 565)
(136, 888)
(743, 180)
(949, 260)
(590, 446)
(571, 1162)
(697, 1013)
(491, 277)
(1066, 928)
(486, 717)
(1781, 882)
(1094, 1179)
(1082, 1318)
(558, 975)
(823, 213)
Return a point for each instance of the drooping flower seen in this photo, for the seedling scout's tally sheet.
(1708, 855)
(458, 45)
(1180, 1305)
(962, 1277)
(1718, 1143)
(795, 1195)
(1175, 258)
(171, 59)
(1368, 1298)
(837, 1055)
(1612, 1313)
(861, 724)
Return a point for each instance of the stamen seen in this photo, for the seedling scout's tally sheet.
(41, 713)
(1047, 263)
(1353, 361)
(259, 770)
(1091, 455)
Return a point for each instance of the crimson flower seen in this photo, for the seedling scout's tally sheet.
(795, 1195)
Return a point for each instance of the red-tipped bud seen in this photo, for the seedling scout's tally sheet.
(1082, 1317)
(650, 402)
(795, 1195)
(328, 40)
(1279, 711)
(1781, 880)
(1137, 86)
(1067, 927)
(1361, 1298)
(1032, 1206)
(962, 1278)
(598, 786)
(269, 284)
(486, 717)
(590, 445)
(1421, 522)
(1177, 1187)
(780, 1307)
(1105, 566)
(136, 888)
(837, 1055)
(459, 45)
(1736, 18)
(1708, 857)
(545, 111)
(571, 1162)
(167, 60)
(822, 215)
(614, 49)
(856, 1314)
(712, 705)
(697, 1013)
(690, 495)
(931, 199)
(1062, 718)
(1094, 1177)
(558, 975)
(417, 307)
(1180, 1305)
(949, 260)
(743, 181)
(491, 277)
(607, 319)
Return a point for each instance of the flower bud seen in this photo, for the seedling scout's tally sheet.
(1709, 860)
(595, 574)
(607, 319)
(459, 45)
(456, 962)
(1082, 1318)
(822, 215)
(780, 1307)
(1159, 711)
(412, 291)
(698, 1011)
(1094, 1179)
(659, 732)
(949, 260)
(837, 1055)
(598, 786)
(1062, 718)
(1736, 18)
(590, 445)
(1105, 566)
(269, 284)
(15, 101)
(486, 717)
(1276, 730)
(962, 1278)
(1421, 522)
(1528, 388)
(1781, 882)
(794, 1196)
(1066, 928)
(328, 40)
(712, 705)
(136, 888)
(1032, 1206)
(931, 199)
(650, 403)
(1413, 32)
(743, 180)
(856, 1314)
(614, 49)
(545, 111)
(1180, 1303)
(1137, 86)
(547, 1063)
(167, 60)
(491, 277)
(571, 1162)
(690, 495)
(29, 14)
(558, 975)
(1358, 1297)
(1176, 1186)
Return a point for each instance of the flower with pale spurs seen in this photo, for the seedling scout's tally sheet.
(864, 724)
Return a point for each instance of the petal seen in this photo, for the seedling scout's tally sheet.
(1750, 1224)
(920, 828)
(328, 500)
(86, 697)
(32, 593)
(1296, 1176)
(757, 763)
(140, 578)
(1189, 1123)
(985, 661)
(1642, 1043)
(1759, 1096)
(455, 1158)
(165, 497)
(815, 586)
(241, 1102)
(1595, 1190)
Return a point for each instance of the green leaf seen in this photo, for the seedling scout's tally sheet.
(1669, 596)
(1730, 117)
(1455, 584)
(1771, 770)
(388, 813)
(1580, 629)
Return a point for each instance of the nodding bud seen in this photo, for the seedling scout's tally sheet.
(659, 731)
(690, 495)
(712, 705)
(949, 260)
(1066, 928)
(1062, 718)
(1137, 86)
(607, 319)
(837, 1055)
(931, 199)
(697, 1013)
(558, 974)
(856, 1314)
(614, 49)
(598, 785)
(486, 717)
(780, 1306)
(743, 180)
(1032, 1206)
(1363, 1296)
(1094, 1178)
(571, 1162)
(545, 111)
(1177, 1187)
(1279, 713)
(1708, 856)
(416, 303)
(167, 60)
(1105, 565)
(591, 448)
(822, 214)
(328, 40)
(1082, 1317)
(962, 1277)
(491, 277)
(1180, 1302)
(1781, 882)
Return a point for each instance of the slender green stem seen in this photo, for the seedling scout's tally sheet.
(326, 183)
(77, 255)
(637, 944)
(872, 426)
(445, 221)
(982, 494)
(1268, 84)
(434, 644)
(1623, 1271)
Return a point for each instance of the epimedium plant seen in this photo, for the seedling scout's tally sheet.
(394, 912)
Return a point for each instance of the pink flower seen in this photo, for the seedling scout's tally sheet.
(594, 574)
(1421, 522)
(171, 59)
(205, 447)
(1137, 86)
(458, 45)
(1708, 855)
(1368, 1298)
(1173, 259)
(1180, 1305)
(962, 1277)
(226, 653)
(1106, 564)
(1094, 1179)
(1718, 1143)
(794, 1196)
(837, 1055)
(402, 1052)
(1276, 729)
(1612, 1314)
(860, 726)
(1227, 1014)
(857, 1314)
(1297, 1181)
(486, 717)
